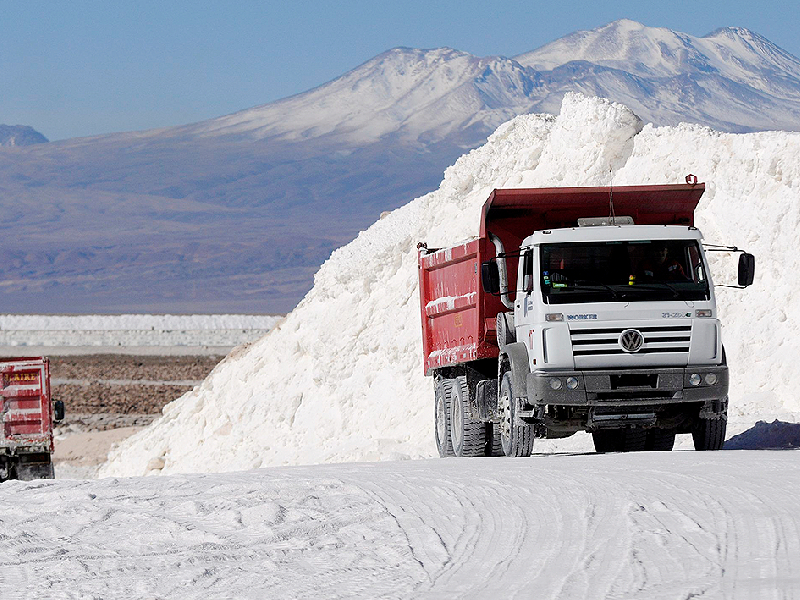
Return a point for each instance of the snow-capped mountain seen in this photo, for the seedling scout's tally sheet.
(423, 96)
(733, 52)
(235, 214)
(20, 135)
(732, 79)
(418, 96)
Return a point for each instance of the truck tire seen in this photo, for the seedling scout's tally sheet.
(709, 434)
(442, 418)
(619, 440)
(605, 441)
(467, 435)
(515, 440)
(494, 445)
(29, 472)
(660, 440)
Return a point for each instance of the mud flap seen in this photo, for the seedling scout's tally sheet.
(517, 354)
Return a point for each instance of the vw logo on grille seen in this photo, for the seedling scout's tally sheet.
(631, 340)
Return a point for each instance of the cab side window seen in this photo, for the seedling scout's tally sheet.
(527, 271)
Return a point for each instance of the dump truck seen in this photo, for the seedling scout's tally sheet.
(577, 309)
(28, 415)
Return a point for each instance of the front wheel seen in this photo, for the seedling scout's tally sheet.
(516, 440)
(709, 434)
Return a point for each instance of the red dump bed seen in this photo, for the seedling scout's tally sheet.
(25, 407)
(458, 318)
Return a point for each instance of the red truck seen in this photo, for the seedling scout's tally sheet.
(28, 414)
(577, 309)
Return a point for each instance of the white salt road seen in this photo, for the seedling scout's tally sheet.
(647, 525)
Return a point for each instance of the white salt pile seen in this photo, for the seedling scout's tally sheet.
(341, 379)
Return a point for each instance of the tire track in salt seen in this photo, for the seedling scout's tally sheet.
(647, 525)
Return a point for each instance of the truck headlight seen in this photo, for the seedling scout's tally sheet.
(711, 378)
(572, 382)
(555, 383)
(694, 379)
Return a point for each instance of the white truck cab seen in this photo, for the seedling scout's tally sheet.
(620, 328)
(583, 284)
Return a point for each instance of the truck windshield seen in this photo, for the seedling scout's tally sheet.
(629, 271)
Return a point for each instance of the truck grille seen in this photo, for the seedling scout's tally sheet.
(604, 341)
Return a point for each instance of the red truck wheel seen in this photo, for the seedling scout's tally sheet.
(31, 471)
(494, 445)
(442, 418)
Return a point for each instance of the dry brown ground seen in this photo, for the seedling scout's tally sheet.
(100, 413)
(94, 395)
(121, 366)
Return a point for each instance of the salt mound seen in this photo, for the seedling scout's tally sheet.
(341, 378)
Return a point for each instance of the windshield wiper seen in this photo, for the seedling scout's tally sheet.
(652, 284)
(614, 292)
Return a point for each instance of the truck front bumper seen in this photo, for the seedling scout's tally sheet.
(628, 387)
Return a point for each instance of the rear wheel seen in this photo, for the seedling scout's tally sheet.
(515, 440)
(494, 445)
(660, 439)
(31, 471)
(442, 419)
(605, 441)
(467, 435)
(619, 440)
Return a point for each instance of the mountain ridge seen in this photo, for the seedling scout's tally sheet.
(237, 212)
(20, 135)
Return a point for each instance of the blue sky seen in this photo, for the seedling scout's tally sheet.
(88, 66)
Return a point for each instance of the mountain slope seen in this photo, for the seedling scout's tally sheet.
(418, 96)
(20, 135)
(235, 214)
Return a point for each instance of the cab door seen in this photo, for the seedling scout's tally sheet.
(524, 308)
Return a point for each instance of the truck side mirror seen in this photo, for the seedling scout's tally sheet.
(490, 277)
(747, 269)
(58, 410)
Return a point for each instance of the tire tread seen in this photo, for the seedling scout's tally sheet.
(521, 443)
(445, 447)
(474, 430)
